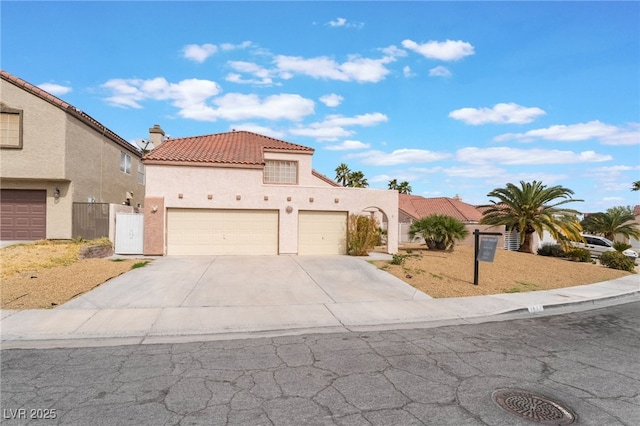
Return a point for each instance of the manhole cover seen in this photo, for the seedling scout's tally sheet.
(534, 407)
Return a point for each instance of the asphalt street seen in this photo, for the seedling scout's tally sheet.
(587, 362)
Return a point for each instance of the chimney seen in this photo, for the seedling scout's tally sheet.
(457, 197)
(156, 135)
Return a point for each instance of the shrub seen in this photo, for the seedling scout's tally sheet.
(578, 254)
(620, 246)
(439, 231)
(398, 259)
(363, 235)
(617, 260)
(552, 250)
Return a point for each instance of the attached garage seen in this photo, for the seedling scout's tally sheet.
(24, 214)
(322, 232)
(222, 232)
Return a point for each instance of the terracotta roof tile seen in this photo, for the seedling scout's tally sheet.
(240, 148)
(419, 207)
(68, 108)
(324, 178)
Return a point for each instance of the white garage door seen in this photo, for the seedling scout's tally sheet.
(220, 232)
(322, 232)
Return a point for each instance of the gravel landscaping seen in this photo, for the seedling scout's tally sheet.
(450, 274)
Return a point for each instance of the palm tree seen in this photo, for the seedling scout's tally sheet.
(533, 208)
(635, 186)
(357, 180)
(439, 231)
(616, 220)
(342, 174)
(402, 187)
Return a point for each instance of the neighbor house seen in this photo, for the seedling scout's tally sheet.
(244, 193)
(413, 207)
(54, 155)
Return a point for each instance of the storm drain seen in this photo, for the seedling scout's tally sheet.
(534, 407)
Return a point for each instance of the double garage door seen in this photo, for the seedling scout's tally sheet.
(24, 214)
(251, 232)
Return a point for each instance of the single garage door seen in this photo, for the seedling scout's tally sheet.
(24, 214)
(322, 232)
(220, 232)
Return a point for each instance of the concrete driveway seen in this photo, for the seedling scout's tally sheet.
(218, 281)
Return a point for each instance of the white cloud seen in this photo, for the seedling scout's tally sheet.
(186, 94)
(255, 128)
(55, 89)
(406, 70)
(393, 51)
(322, 133)
(342, 22)
(449, 50)
(515, 156)
(606, 133)
(399, 156)
(363, 70)
(263, 75)
(331, 100)
(348, 145)
(440, 71)
(230, 46)
(237, 106)
(190, 97)
(509, 113)
(333, 126)
(199, 53)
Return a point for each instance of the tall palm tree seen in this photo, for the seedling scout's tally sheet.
(533, 208)
(404, 187)
(357, 180)
(635, 186)
(616, 220)
(342, 174)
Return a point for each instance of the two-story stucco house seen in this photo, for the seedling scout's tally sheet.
(52, 155)
(244, 193)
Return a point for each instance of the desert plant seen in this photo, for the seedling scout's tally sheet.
(398, 259)
(620, 246)
(616, 220)
(578, 254)
(363, 235)
(533, 208)
(551, 250)
(617, 260)
(439, 231)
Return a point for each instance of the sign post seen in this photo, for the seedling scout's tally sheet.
(485, 250)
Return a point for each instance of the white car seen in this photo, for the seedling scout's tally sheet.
(598, 245)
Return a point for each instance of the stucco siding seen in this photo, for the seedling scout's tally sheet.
(42, 152)
(93, 164)
(229, 188)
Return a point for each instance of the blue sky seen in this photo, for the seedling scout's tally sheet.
(456, 98)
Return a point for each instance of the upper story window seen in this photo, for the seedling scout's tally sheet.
(281, 172)
(141, 173)
(10, 127)
(125, 163)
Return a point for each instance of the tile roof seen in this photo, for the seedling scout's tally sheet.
(231, 149)
(68, 108)
(419, 207)
(324, 178)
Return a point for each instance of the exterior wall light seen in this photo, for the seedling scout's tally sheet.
(56, 193)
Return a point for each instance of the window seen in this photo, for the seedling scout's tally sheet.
(281, 172)
(10, 127)
(141, 173)
(125, 163)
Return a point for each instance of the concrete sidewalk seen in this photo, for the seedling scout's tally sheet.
(130, 318)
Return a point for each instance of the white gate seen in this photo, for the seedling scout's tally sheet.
(129, 233)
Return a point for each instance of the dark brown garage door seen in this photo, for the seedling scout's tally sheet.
(24, 214)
